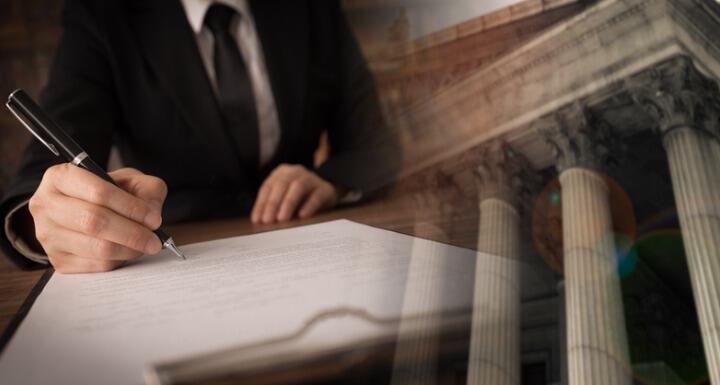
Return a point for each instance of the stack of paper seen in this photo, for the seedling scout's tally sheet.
(107, 328)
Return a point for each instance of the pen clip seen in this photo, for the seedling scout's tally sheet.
(19, 117)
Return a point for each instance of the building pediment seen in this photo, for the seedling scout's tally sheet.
(584, 59)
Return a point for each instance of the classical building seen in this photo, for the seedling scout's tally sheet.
(570, 132)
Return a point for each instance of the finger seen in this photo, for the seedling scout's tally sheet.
(294, 195)
(315, 202)
(151, 189)
(75, 243)
(272, 205)
(319, 199)
(261, 200)
(125, 172)
(81, 184)
(66, 263)
(100, 222)
(283, 171)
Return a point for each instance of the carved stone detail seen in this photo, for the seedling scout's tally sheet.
(579, 139)
(504, 174)
(676, 95)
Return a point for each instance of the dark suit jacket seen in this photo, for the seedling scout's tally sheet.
(129, 73)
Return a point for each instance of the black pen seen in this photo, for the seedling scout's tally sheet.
(61, 144)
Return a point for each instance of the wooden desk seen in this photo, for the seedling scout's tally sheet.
(392, 215)
(15, 285)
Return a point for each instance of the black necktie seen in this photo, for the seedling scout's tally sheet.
(234, 90)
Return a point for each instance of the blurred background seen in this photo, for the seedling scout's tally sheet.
(29, 31)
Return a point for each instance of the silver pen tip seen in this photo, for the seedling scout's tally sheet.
(170, 244)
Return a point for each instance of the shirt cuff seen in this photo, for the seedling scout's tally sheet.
(350, 197)
(17, 242)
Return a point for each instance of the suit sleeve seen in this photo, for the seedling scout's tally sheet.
(79, 97)
(364, 151)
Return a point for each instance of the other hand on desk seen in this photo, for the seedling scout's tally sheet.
(292, 190)
(88, 225)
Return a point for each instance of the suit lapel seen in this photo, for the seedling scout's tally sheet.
(282, 27)
(169, 44)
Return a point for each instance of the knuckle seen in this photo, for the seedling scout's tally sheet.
(152, 182)
(55, 172)
(293, 199)
(280, 180)
(298, 184)
(137, 211)
(98, 193)
(158, 185)
(310, 180)
(273, 201)
(105, 249)
(295, 170)
(327, 192)
(136, 239)
(35, 204)
(99, 266)
(105, 266)
(263, 193)
(56, 260)
(329, 196)
(280, 169)
(59, 266)
(50, 173)
(131, 254)
(42, 235)
(92, 221)
(317, 200)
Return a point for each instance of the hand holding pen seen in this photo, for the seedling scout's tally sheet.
(85, 219)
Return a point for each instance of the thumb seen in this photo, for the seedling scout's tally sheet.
(152, 190)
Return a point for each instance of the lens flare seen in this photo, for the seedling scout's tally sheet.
(547, 232)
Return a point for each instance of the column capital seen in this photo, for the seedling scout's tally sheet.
(677, 95)
(503, 173)
(578, 138)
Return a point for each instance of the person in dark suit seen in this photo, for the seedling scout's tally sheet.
(220, 104)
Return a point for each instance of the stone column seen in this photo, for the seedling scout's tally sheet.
(597, 348)
(686, 107)
(495, 339)
(417, 352)
(562, 334)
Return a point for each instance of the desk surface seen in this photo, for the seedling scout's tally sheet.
(431, 220)
(16, 284)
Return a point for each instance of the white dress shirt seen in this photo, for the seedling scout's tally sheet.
(243, 30)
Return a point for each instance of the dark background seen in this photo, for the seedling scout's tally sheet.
(29, 31)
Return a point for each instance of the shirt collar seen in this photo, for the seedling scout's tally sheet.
(196, 10)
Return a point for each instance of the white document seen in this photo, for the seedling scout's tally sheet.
(107, 328)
